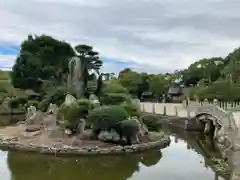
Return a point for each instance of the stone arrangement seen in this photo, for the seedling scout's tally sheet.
(38, 125)
(14, 144)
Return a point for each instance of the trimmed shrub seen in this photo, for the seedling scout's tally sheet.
(56, 97)
(73, 113)
(113, 87)
(31, 103)
(114, 98)
(22, 100)
(84, 106)
(106, 117)
(16, 102)
(70, 113)
(43, 105)
(131, 109)
(13, 103)
(151, 121)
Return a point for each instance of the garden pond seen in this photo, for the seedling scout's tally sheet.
(189, 157)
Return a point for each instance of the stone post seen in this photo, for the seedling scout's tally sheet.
(176, 111)
(153, 108)
(164, 110)
(215, 102)
(188, 114)
(205, 101)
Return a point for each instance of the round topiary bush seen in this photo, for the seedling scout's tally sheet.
(71, 114)
(131, 109)
(114, 98)
(106, 117)
(84, 107)
(151, 121)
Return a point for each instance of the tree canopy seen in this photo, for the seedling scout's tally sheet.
(43, 59)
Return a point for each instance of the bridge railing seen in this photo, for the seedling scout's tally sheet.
(225, 118)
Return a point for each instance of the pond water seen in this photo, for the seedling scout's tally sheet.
(184, 159)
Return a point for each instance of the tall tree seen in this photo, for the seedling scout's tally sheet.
(159, 85)
(89, 61)
(208, 69)
(41, 58)
(232, 66)
(130, 80)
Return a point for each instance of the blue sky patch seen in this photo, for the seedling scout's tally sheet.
(8, 50)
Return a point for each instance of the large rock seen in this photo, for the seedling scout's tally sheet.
(75, 141)
(32, 128)
(34, 119)
(33, 116)
(81, 126)
(57, 133)
(69, 99)
(52, 109)
(50, 121)
(109, 136)
(86, 135)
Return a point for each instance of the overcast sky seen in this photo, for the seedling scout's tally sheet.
(147, 35)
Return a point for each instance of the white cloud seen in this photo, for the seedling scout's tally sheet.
(7, 61)
(165, 34)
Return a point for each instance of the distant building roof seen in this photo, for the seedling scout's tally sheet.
(176, 90)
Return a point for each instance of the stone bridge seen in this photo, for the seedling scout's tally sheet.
(211, 117)
(208, 116)
(220, 118)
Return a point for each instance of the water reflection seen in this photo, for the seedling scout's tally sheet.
(29, 166)
(187, 158)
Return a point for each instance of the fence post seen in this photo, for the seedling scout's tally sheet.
(215, 102)
(205, 101)
(143, 107)
(164, 110)
(176, 111)
(153, 108)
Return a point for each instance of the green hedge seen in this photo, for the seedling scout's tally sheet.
(223, 90)
(151, 121)
(32, 103)
(114, 88)
(43, 105)
(114, 98)
(131, 109)
(106, 116)
(16, 102)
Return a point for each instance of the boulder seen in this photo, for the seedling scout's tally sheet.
(52, 109)
(81, 126)
(86, 135)
(69, 99)
(33, 116)
(32, 128)
(57, 133)
(50, 121)
(31, 134)
(109, 136)
(75, 141)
